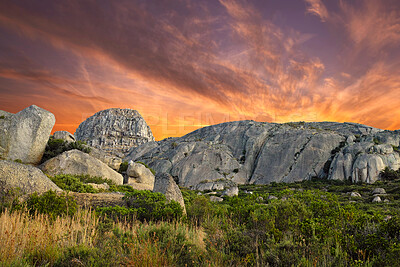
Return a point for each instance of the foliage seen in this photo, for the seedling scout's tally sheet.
(145, 206)
(389, 174)
(123, 167)
(55, 147)
(78, 183)
(52, 204)
(311, 223)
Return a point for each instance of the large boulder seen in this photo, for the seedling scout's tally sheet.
(76, 162)
(115, 131)
(27, 178)
(24, 135)
(138, 174)
(166, 185)
(113, 162)
(64, 135)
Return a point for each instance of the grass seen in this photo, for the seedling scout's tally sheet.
(312, 223)
(82, 241)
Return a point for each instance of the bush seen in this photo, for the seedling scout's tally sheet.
(77, 183)
(145, 206)
(123, 167)
(389, 174)
(52, 204)
(55, 147)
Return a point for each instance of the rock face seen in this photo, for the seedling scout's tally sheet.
(76, 162)
(138, 174)
(24, 135)
(364, 158)
(64, 135)
(115, 131)
(28, 178)
(166, 185)
(259, 153)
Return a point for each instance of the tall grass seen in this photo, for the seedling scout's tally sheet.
(41, 239)
(84, 240)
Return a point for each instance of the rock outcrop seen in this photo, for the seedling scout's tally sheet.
(24, 135)
(76, 162)
(27, 178)
(115, 131)
(139, 176)
(112, 161)
(260, 153)
(64, 135)
(166, 185)
(364, 158)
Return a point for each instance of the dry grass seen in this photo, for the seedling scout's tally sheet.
(22, 234)
(38, 240)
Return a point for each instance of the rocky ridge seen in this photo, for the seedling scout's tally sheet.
(220, 156)
(115, 131)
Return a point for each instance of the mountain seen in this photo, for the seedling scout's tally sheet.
(241, 152)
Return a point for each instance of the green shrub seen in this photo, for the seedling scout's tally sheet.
(18, 161)
(123, 167)
(145, 206)
(74, 183)
(10, 199)
(52, 204)
(389, 174)
(55, 147)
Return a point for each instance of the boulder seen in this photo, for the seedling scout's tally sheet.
(270, 197)
(26, 177)
(216, 199)
(112, 161)
(139, 174)
(376, 199)
(115, 131)
(378, 191)
(355, 194)
(76, 162)
(104, 186)
(24, 135)
(165, 184)
(64, 135)
(230, 192)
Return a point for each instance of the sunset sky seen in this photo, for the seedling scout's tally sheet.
(184, 64)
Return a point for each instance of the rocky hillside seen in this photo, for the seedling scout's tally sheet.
(242, 152)
(115, 131)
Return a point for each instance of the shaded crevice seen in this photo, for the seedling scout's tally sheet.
(296, 156)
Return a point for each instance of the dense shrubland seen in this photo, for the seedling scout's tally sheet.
(313, 223)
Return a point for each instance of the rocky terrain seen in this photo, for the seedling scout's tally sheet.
(115, 131)
(219, 156)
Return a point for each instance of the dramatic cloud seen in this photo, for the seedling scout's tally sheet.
(316, 7)
(186, 64)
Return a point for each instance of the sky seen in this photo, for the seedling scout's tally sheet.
(185, 64)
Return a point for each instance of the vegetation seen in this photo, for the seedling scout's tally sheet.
(123, 167)
(389, 174)
(144, 206)
(55, 147)
(312, 223)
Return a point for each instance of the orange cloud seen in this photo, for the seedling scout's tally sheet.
(183, 67)
(316, 7)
